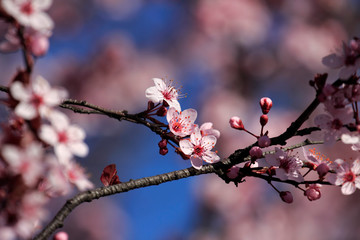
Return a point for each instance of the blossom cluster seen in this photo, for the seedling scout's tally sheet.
(38, 143)
(27, 16)
(201, 140)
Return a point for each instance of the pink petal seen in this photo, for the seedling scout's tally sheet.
(48, 134)
(175, 104)
(19, 92)
(356, 167)
(171, 113)
(348, 188)
(41, 4)
(79, 149)
(208, 142)
(196, 162)
(210, 157)
(63, 153)
(186, 146)
(159, 84)
(333, 61)
(196, 137)
(153, 94)
(26, 110)
(75, 133)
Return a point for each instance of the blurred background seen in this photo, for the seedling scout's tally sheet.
(225, 55)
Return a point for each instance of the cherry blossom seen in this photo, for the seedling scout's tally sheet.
(76, 175)
(348, 60)
(67, 140)
(346, 177)
(181, 123)
(207, 129)
(36, 99)
(27, 162)
(353, 139)
(287, 166)
(163, 92)
(199, 148)
(235, 122)
(30, 13)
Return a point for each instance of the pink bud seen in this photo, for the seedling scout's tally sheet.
(61, 236)
(286, 196)
(235, 122)
(264, 119)
(162, 143)
(233, 172)
(328, 90)
(265, 104)
(313, 192)
(256, 152)
(322, 169)
(164, 151)
(264, 141)
(39, 45)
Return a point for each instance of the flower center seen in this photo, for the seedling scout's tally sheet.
(168, 94)
(349, 177)
(27, 8)
(37, 100)
(336, 124)
(62, 137)
(198, 150)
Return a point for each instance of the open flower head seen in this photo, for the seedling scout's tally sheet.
(199, 148)
(163, 92)
(67, 140)
(30, 13)
(36, 99)
(346, 177)
(287, 166)
(181, 123)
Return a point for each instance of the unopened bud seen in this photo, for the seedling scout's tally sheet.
(233, 172)
(161, 112)
(255, 153)
(265, 104)
(163, 151)
(151, 105)
(264, 119)
(313, 192)
(235, 122)
(61, 236)
(162, 143)
(264, 141)
(322, 169)
(286, 196)
(39, 45)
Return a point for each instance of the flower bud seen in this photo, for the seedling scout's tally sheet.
(161, 112)
(162, 143)
(39, 45)
(313, 192)
(233, 172)
(164, 151)
(61, 236)
(264, 141)
(265, 104)
(264, 119)
(235, 122)
(151, 105)
(286, 196)
(322, 169)
(255, 153)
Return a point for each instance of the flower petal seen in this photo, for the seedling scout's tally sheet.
(196, 162)
(348, 188)
(186, 146)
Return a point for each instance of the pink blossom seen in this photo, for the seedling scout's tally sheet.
(76, 175)
(181, 123)
(26, 162)
(36, 99)
(163, 92)
(287, 166)
(199, 148)
(30, 13)
(348, 60)
(346, 177)
(256, 152)
(207, 129)
(319, 161)
(67, 140)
